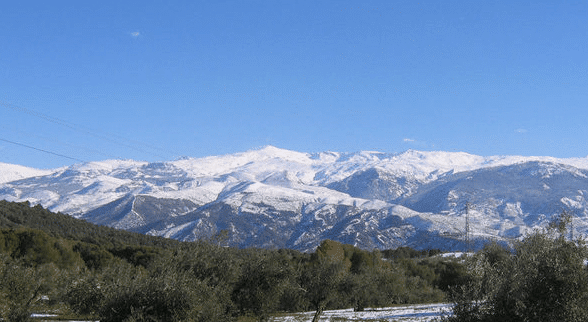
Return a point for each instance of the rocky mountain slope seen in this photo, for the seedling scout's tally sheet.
(278, 198)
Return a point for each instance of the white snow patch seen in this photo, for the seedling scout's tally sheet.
(13, 172)
(413, 313)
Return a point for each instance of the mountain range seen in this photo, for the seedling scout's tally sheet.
(276, 198)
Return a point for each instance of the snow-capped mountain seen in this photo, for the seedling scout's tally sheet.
(12, 172)
(278, 198)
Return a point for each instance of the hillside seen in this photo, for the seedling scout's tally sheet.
(56, 264)
(275, 198)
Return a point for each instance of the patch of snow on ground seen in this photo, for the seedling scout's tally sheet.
(455, 254)
(412, 313)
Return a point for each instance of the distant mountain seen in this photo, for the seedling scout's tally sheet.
(12, 172)
(278, 198)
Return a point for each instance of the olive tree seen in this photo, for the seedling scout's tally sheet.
(23, 287)
(542, 278)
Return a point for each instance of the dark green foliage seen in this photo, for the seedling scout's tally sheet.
(164, 293)
(137, 255)
(361, 262)
(20, 214)
(214, 264)
(22, 287)
(341, 276)
(94, 257)
(35, 247)
(550, 279)
(320, 281)
(374, 287)
(417, 269)
(85, 295)
(449, 274)
(543, 278)
(110, 275)
(442, 273)
(407, 252)
(266, 277)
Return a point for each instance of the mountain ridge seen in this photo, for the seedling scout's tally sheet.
(273, 197)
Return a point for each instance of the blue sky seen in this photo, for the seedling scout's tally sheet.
(155, 81)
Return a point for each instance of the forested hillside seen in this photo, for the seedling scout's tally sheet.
(54, 263)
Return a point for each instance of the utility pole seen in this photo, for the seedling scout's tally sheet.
(467, 227)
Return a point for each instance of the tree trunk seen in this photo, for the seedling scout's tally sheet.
(319, 311)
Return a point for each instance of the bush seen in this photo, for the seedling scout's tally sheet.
(265, 278)
(22, 287)
(164, 293)
(543, 278)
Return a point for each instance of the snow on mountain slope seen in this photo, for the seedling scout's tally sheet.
(12, 172)
(278, 198)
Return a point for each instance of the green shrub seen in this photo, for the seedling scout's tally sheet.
(22, 287)
(543, 278)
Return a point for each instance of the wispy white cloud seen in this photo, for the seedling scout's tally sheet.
(418, 144)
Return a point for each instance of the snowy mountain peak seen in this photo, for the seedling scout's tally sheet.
(12, 172)
(272, 197)
(271, 152)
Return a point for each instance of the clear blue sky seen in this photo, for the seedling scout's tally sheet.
(153, 81)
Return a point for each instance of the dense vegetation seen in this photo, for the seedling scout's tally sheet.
(541, 278)
(54, 263)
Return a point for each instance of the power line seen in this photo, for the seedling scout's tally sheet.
(110, 137)
(55, 141)
(42, 150)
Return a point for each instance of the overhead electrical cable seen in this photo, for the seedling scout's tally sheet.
(110, 137)
(78, 147)
(43, 150)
